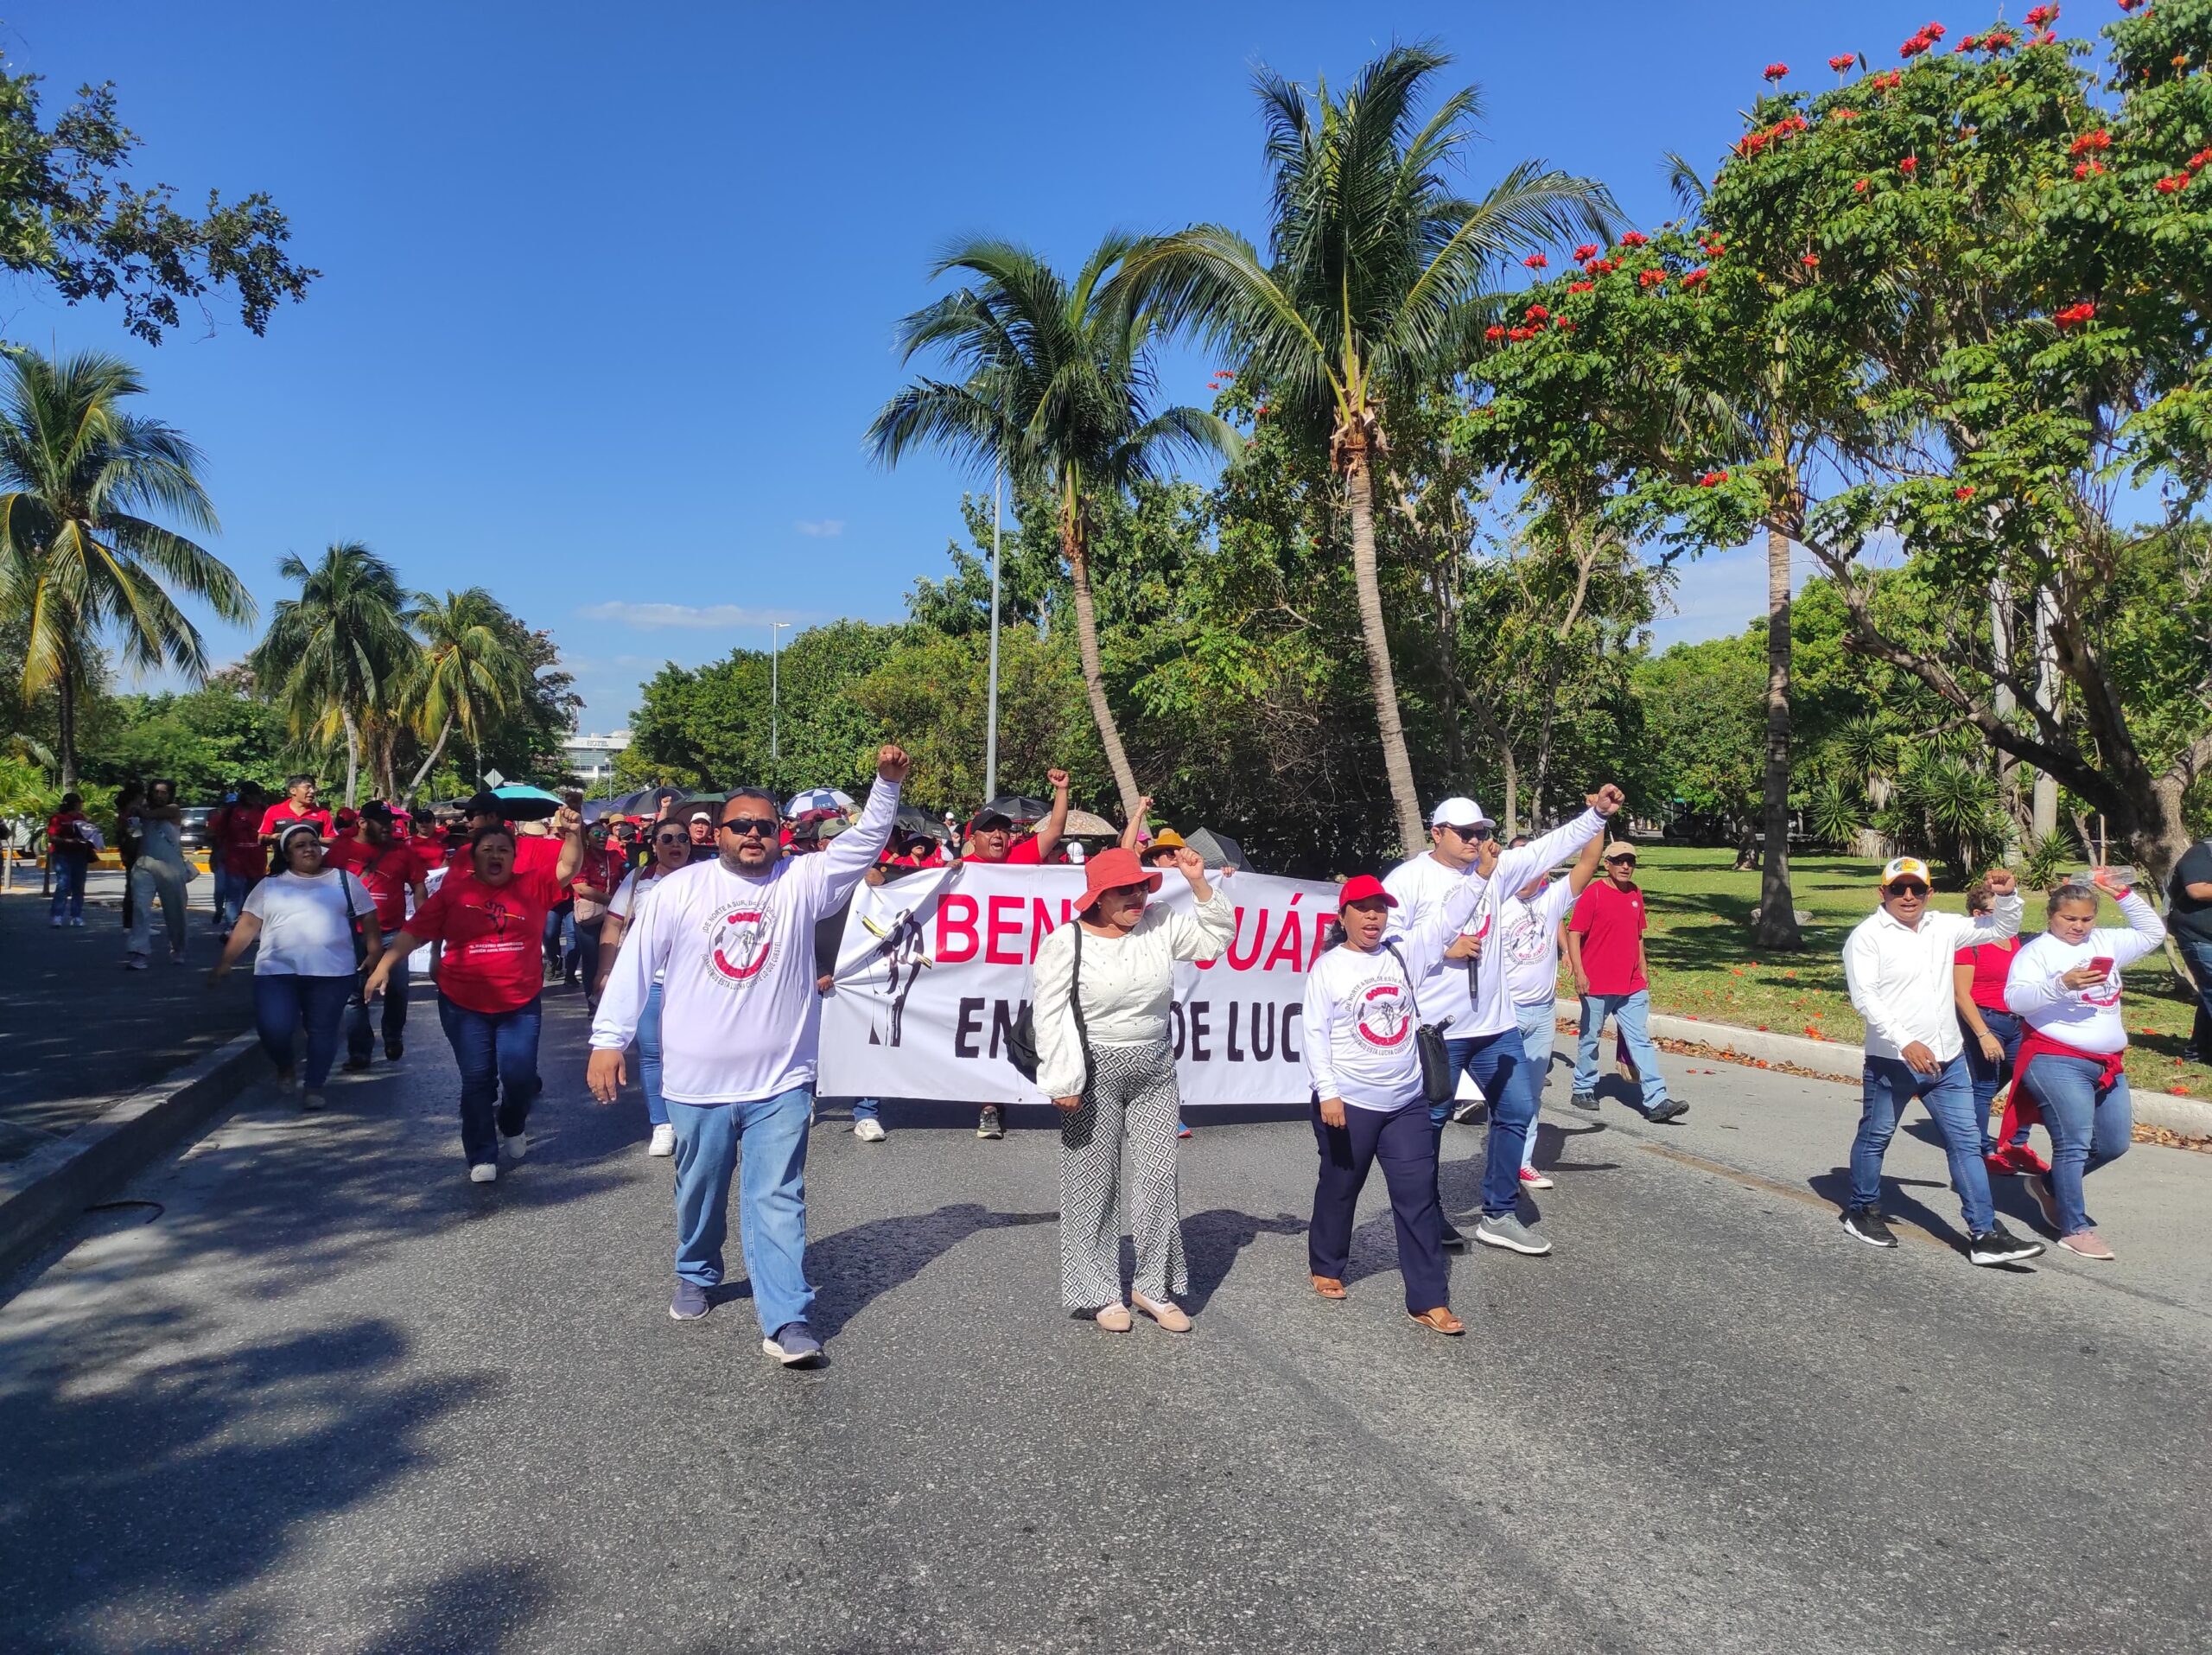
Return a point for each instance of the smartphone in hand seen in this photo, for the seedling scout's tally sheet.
(2102, 964)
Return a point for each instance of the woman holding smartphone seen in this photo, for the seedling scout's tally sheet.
(2065, 986)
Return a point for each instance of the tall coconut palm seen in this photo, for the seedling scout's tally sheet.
(338, 650)
(466, 670)
(1375, 265)
(1058, 385)
(78, 562)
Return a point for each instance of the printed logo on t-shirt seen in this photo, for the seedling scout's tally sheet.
(740, 939)
(1381, 1017)
(2105, 992)
(1527, 939)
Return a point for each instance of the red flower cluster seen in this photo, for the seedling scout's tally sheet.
(1602, 266)
(2099, 139)
(1712, 479)
(1909, 165)
(1964, 491)
(1860, 188)
(1923, 41)
(2129, 5)
(1752, 142)
(2042, 16)
(1649, 279)
(2074, 315)
(1562, 324)
(1810, 261)
(1693, 278)
(1586, 252)
(2088, 168)
(1580, 287)
(1888, 80)
(1775, 71)
(2170, 186)
(1536, 313)
(1843, 61)
(1494, 332)
(1516, 335)
(1535, 261)
(1635, 238)
(1843, 114)
(1221, 376)
(2049, 37)
(1712, 249)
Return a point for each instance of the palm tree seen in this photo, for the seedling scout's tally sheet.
(78, 562)
(1058, 388)
(337, 651)
(466, 670)
(1376, 265)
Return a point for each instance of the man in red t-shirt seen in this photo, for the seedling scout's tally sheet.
(1604, 948)
(391, 872)
(298, 806)
(990, 836)
(236, 854)
(70, 849)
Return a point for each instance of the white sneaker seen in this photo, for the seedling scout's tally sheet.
(57, 922)
(664, 1141)
(311, 1100)
(134, 962)
(484, 1172)
(516, 1147)
(868, 1131)
(78, 922)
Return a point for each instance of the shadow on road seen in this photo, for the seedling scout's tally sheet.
(854, 1268)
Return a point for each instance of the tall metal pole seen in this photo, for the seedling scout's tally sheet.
(991, 724)
(775, 753)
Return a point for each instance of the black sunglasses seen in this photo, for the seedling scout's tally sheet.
(1908, 888)
(672, 838)
(1620, 861)
(1478, 834)
(741, 825)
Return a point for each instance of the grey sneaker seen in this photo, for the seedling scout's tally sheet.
(991, 1123)
(1466, 1108)
(1585, 1100)
(794, 1344)
(689, 1303)
(1511, 1234)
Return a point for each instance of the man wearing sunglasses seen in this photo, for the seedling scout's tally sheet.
(1604, 951)
(733, 942)
(1898, 965)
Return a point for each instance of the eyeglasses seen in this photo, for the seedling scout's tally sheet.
(1620, 861)
(673, 838)
(1907, 888)
(1477, 834)
(741, 825)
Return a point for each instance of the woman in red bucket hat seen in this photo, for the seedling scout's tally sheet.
(1101, 988)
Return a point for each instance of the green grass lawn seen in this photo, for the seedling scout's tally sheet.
(1705, 965)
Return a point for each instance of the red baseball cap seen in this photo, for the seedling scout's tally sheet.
(1365, 889)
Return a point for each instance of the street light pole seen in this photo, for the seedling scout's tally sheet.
(991, 718)
(775, 753)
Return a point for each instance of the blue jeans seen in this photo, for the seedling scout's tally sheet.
(282, 1001)
(1990, 1079)
(771, 1198)
(2196, 954)
(2087, 1131)
(497, 1052)
(867, 1109)
(1633, 1013)
(68, 886)
(358, 1034)
(1539, 1024)
(1511, 1083)
(1887, 1085)
(649, 1058)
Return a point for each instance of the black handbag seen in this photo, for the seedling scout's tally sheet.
(1439, 1084)
(1021, 1039)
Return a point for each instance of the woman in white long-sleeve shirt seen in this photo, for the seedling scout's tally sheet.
(2065, 987)
(1113, 1077)
(1365, 1058)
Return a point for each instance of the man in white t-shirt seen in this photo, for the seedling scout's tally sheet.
(1530, 923)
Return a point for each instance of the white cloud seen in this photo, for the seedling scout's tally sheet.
(827, 528)
(710, 617)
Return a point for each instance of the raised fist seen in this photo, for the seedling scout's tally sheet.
(892, 763)
(1190, 864)
(1607, 800)
(1058, 779)
(2002, 882)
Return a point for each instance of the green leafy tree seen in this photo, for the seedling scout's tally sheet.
(1375, 264)
(1704, 718)
(1058, 386)
(206, 739)
(78, 560)
(339, 650)
(469, 671)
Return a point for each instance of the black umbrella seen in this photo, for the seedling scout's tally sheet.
(644, 802)
(912, 818)
(1018, 808)
(1218, 849)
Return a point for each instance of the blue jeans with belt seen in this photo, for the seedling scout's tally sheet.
(1500, 1065)
(771, 1198)
(1887, 1085)
(2089, 1129)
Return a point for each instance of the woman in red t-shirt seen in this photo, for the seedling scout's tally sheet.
(1992, 1041)
(490, 916)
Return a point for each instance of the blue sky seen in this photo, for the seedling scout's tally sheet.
(609, 291)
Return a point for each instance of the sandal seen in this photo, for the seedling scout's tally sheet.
(1441, 1321)
(1328, 1286)
(1166, 1312)
(1112, 1318)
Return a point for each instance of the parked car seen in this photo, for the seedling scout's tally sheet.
(193, 831)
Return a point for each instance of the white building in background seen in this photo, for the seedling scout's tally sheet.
(591, 758)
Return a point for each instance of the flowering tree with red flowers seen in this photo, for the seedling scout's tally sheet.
(1960, 304)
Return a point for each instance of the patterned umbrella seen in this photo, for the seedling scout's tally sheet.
(818, 798)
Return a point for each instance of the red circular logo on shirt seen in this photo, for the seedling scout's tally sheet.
(1382, 1018)
(738, 943)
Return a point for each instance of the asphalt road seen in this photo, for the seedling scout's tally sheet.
(326, 1395)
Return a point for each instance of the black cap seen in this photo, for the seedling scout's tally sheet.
(989, 820)
(485, 805)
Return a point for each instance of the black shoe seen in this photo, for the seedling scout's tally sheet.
(1453, 1241)
(1865, 1222)
(1585, 1100)
(357, 1063)
(1466, 1108)
(991, 1123)
(393, 1051)
(1998, 1245)
(1669, 1109)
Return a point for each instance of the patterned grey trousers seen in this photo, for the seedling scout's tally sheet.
(1119, 1148)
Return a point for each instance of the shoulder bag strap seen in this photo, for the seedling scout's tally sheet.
(1407, 971)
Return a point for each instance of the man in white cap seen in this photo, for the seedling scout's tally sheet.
(1897, 962)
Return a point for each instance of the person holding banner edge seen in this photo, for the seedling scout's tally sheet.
(733, 941)
(1101, 989)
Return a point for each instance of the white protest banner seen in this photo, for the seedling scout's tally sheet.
(934, 970)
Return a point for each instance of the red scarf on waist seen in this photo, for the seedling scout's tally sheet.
(2034, 1043)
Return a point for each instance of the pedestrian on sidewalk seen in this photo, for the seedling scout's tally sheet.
(490, 916)
(393, 872)
(2189, 895)
(1531, 924)
(236, 854)
(733, 942)
(991, 839)
(1101, 989)
(1897, 962)
(671, 851)
(71, 841)
(316, 926)
(1992, 1037)
(159, 871)
(1482, 1034)
(1604, 951)
(2065, 984)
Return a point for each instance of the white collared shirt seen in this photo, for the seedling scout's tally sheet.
(1901, 980)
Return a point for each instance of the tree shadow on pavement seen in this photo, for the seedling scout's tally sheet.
(1213, 1239)
(156, 1493)
(854, 1268)
(472, 1610)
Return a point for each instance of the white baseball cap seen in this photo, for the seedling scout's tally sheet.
(1457, 813)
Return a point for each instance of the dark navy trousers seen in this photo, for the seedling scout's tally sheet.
(1404, 1141)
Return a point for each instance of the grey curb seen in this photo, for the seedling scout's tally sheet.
(48, 1188)
(2190, 1117)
